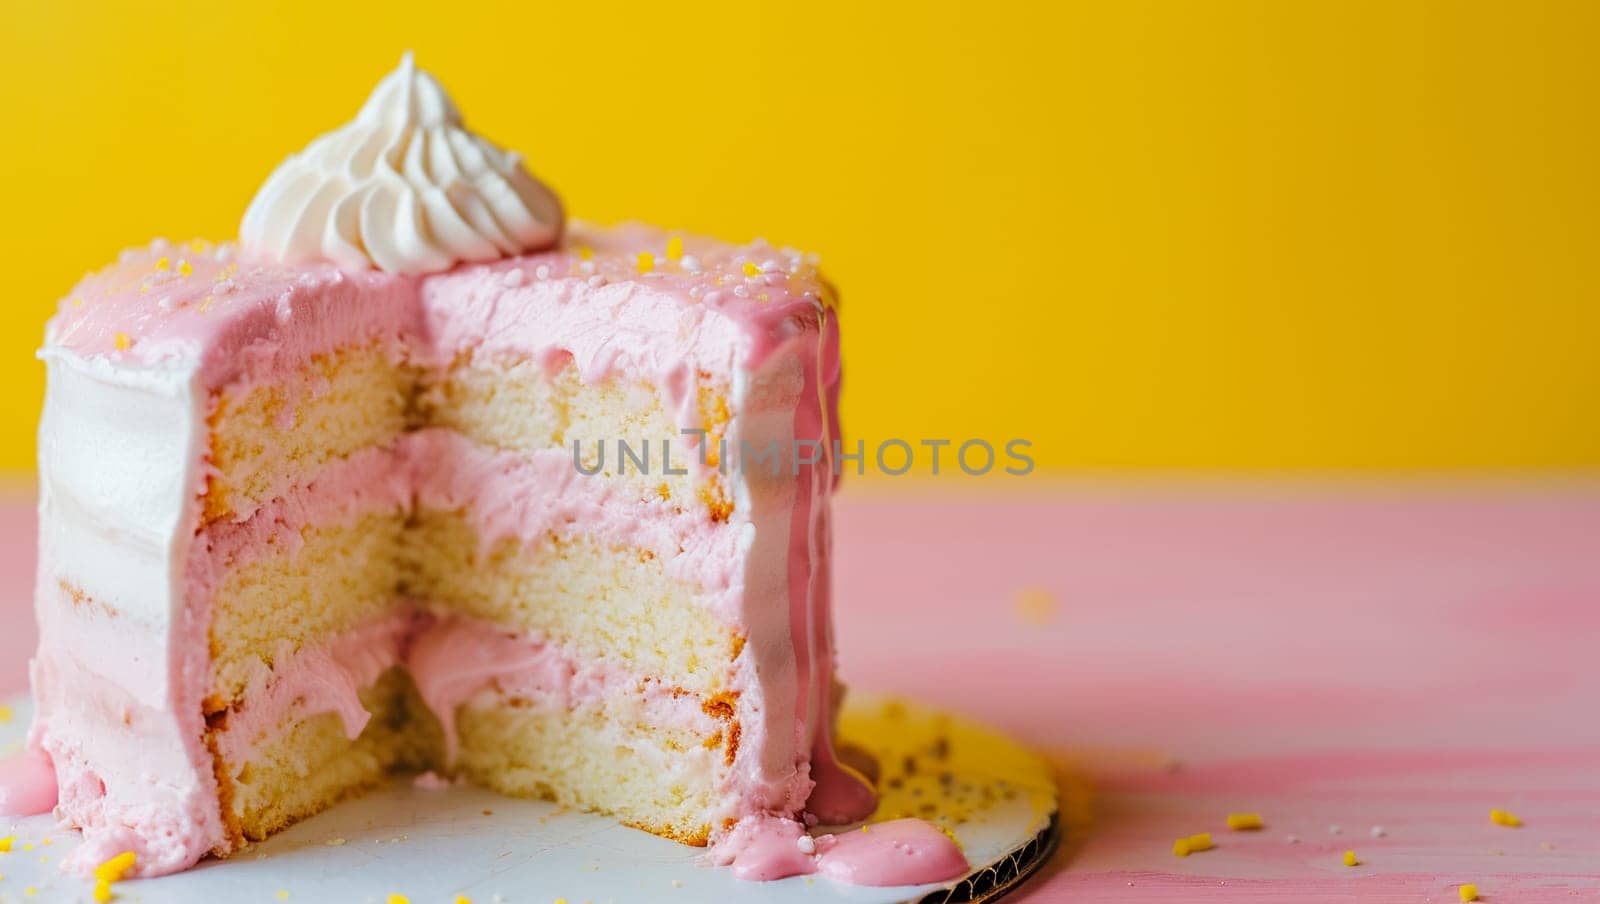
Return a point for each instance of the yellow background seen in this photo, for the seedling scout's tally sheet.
(1210, 235)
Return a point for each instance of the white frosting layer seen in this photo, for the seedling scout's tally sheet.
(404, 188)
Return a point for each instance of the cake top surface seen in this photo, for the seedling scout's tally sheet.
(168, 303)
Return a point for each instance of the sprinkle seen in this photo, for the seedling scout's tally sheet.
(514, 277)
(283, 894)
(77, 302)
(1183, 847)
(1334, 829)
(184, 269)
(163, 264)
(542, 271)
(1244, 822)
(334, 842)
(1350, 859)
(47, 841)
(585, 252)
(1502, 818)
(750, 269)
(114, 869)
(30, 891)
(1468, 892)
(597, 281)
(674, 248)
(807, 844)
(647, 262)
(28, 846)
(102, 891)
(5, 714)
(397, 899)
(199, 246)
(123, 342)
(1293, 839)
(6, 842)
(461, 899)
(691, 263)
(1379, 831)
(561, 901)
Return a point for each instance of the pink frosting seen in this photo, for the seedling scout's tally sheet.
(897, 852)
(27, 783)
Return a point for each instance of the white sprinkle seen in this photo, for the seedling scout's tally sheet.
(596, 281)
(677, 883)
(696, 291)
(741, 290)
(164, 302)
(690, 263)
(586, 266)
(1378, 832)
(514, 277)
(542, 271)
(223, 253)
(1334, 830)
(808, 845)
(1293, 839)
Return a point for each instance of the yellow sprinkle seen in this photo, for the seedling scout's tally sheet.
(461, 899)
(46, 839)
(199, 246)
(1502, 818)
(1468, 892)
(184, 268)
(674, 248)
(102, 891)
(28, 846)
(30, 891)
(1200, 842)
(123, 342)
(283, 894)
(114, 869)
(1180, 848)
(750, 269)
(5, 714)
(1244, 822)
(585, 252)
(1350, 859)
(163, 264)
(6, 842)
(647, 262)
(77, 302)
(397, 899)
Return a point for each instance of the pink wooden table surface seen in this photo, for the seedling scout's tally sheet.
(1348, 656)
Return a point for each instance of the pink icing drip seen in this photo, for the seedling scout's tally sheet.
(27, 783)
(898, 852)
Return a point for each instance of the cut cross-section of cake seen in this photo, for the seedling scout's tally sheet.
(417, 476)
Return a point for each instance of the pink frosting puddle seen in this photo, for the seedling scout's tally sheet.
(27, 784)
(898, 852)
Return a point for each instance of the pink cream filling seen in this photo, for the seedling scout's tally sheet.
(452, 659)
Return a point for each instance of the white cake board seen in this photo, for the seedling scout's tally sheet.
(431, 845)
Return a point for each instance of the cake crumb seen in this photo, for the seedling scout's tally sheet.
(1034, 606)
(1350, 859)
(1244, 822)
(1468, 892)
(334, 842)
(1502, 818)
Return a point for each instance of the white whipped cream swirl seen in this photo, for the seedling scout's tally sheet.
(404, 188)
